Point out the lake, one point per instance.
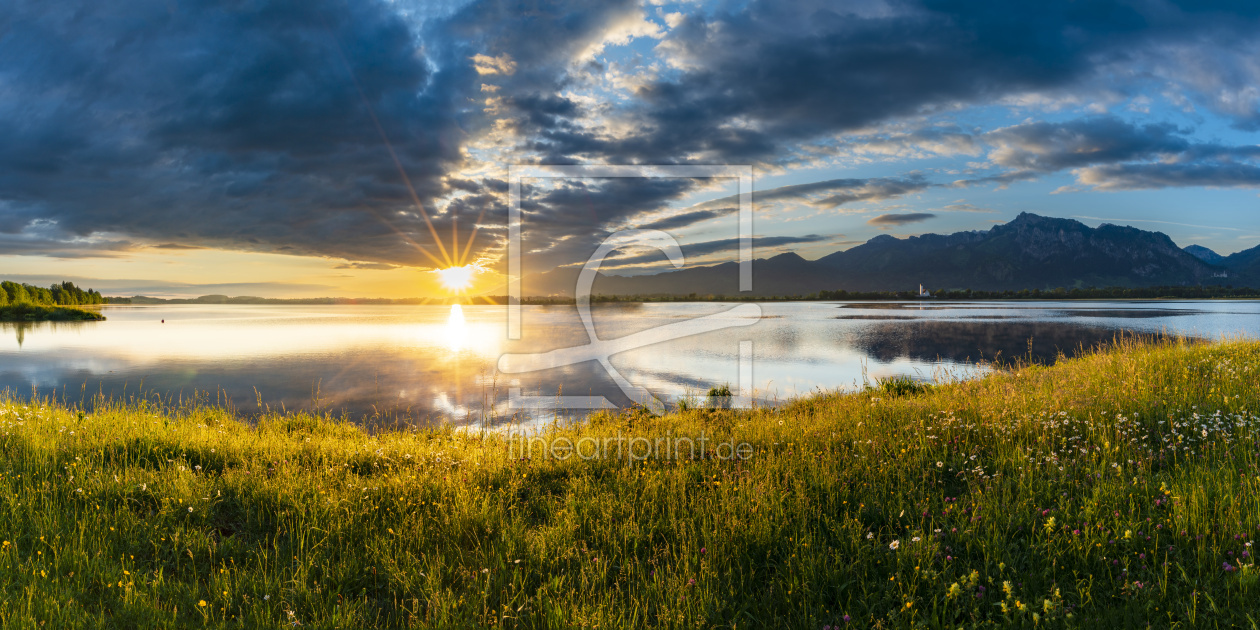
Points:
(417, 364)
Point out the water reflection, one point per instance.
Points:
(972, 341)
(456, 328)
(437, 363)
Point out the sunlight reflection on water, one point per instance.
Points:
(422, 363)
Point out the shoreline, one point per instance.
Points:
(32, 313)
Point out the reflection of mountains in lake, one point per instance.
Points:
(969, 341)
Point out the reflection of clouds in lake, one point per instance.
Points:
(428, 363)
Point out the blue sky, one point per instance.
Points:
(326, 147)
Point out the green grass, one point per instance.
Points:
(1114, 490)
(25, 312)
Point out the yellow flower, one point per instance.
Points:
(202, 603)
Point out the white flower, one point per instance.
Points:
(190, 509)
(894, 545)
(939, 464)
(915, 539)
(266, 597)
(869, 535)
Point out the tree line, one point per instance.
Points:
(62, 294)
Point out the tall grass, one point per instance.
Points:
(1118, 489)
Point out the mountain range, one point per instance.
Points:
(1029, 252)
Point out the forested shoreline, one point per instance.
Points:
(59, 302)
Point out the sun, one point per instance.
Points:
(456, 279)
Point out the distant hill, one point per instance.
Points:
(1245, 266)
(1029, 252)
(1206, 255)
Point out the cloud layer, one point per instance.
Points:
(358, 130)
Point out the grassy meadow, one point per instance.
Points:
(1114, 490)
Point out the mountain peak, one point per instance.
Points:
(1028, 219)
(787, 257)
(1204, 254)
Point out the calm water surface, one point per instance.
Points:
(430, 363)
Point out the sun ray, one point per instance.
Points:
(398, 164)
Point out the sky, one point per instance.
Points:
(349, 148)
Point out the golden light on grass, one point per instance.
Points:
(456, 279)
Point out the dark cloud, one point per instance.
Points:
(1110, 154)
(238, 125)
(689, 218)
(366, 265)
(892, 220)
(1047, 147)
(830, 193)
(176, 246)
(44, 238)
(1169, 175)
(707, 248)
(871, 190)
(258, 126)
(791, 71)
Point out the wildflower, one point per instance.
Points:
(202, 603)
(939, 464)
(869, 535)
(915, 539)
(894, 545)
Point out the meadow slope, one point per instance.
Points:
(1115, 490)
